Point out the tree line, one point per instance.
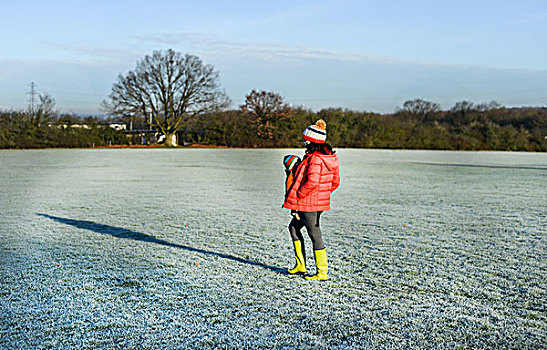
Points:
(474, 128)
(20, 130)
(180, 97)
(464, 127)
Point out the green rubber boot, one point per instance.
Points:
(321, 264)
(300, 267)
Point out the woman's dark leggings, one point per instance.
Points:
(311, 221)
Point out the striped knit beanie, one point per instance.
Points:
(316, 133)
(291, 161)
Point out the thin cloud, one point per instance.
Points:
(46, 62)
(267, 50)
(216, 46)
(97, 52)
(209, 45)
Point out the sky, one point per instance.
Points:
(363, 55)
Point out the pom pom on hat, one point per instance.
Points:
(316, 133)
(320, 124)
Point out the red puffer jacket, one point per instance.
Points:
(316, 177)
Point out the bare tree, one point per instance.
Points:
(462, 112)
(265, 108)
(44, 111)
(420, 107)
(488, 106)
(463, 107)
(167, 90)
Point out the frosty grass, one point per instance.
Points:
(164, 249)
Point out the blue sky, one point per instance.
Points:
(361, 55)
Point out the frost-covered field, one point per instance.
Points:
(187, 248)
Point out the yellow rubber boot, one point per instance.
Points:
(300, 267)
(321, 264)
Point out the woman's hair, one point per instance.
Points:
(323, 148)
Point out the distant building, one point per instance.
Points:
(118, 126)
(65, 125)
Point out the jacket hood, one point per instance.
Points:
(330, 160)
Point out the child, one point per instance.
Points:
(291, 163)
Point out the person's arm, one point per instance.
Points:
(312, 178)
(336, 179)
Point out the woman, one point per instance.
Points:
(316, 177)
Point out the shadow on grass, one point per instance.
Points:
(120, 232)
